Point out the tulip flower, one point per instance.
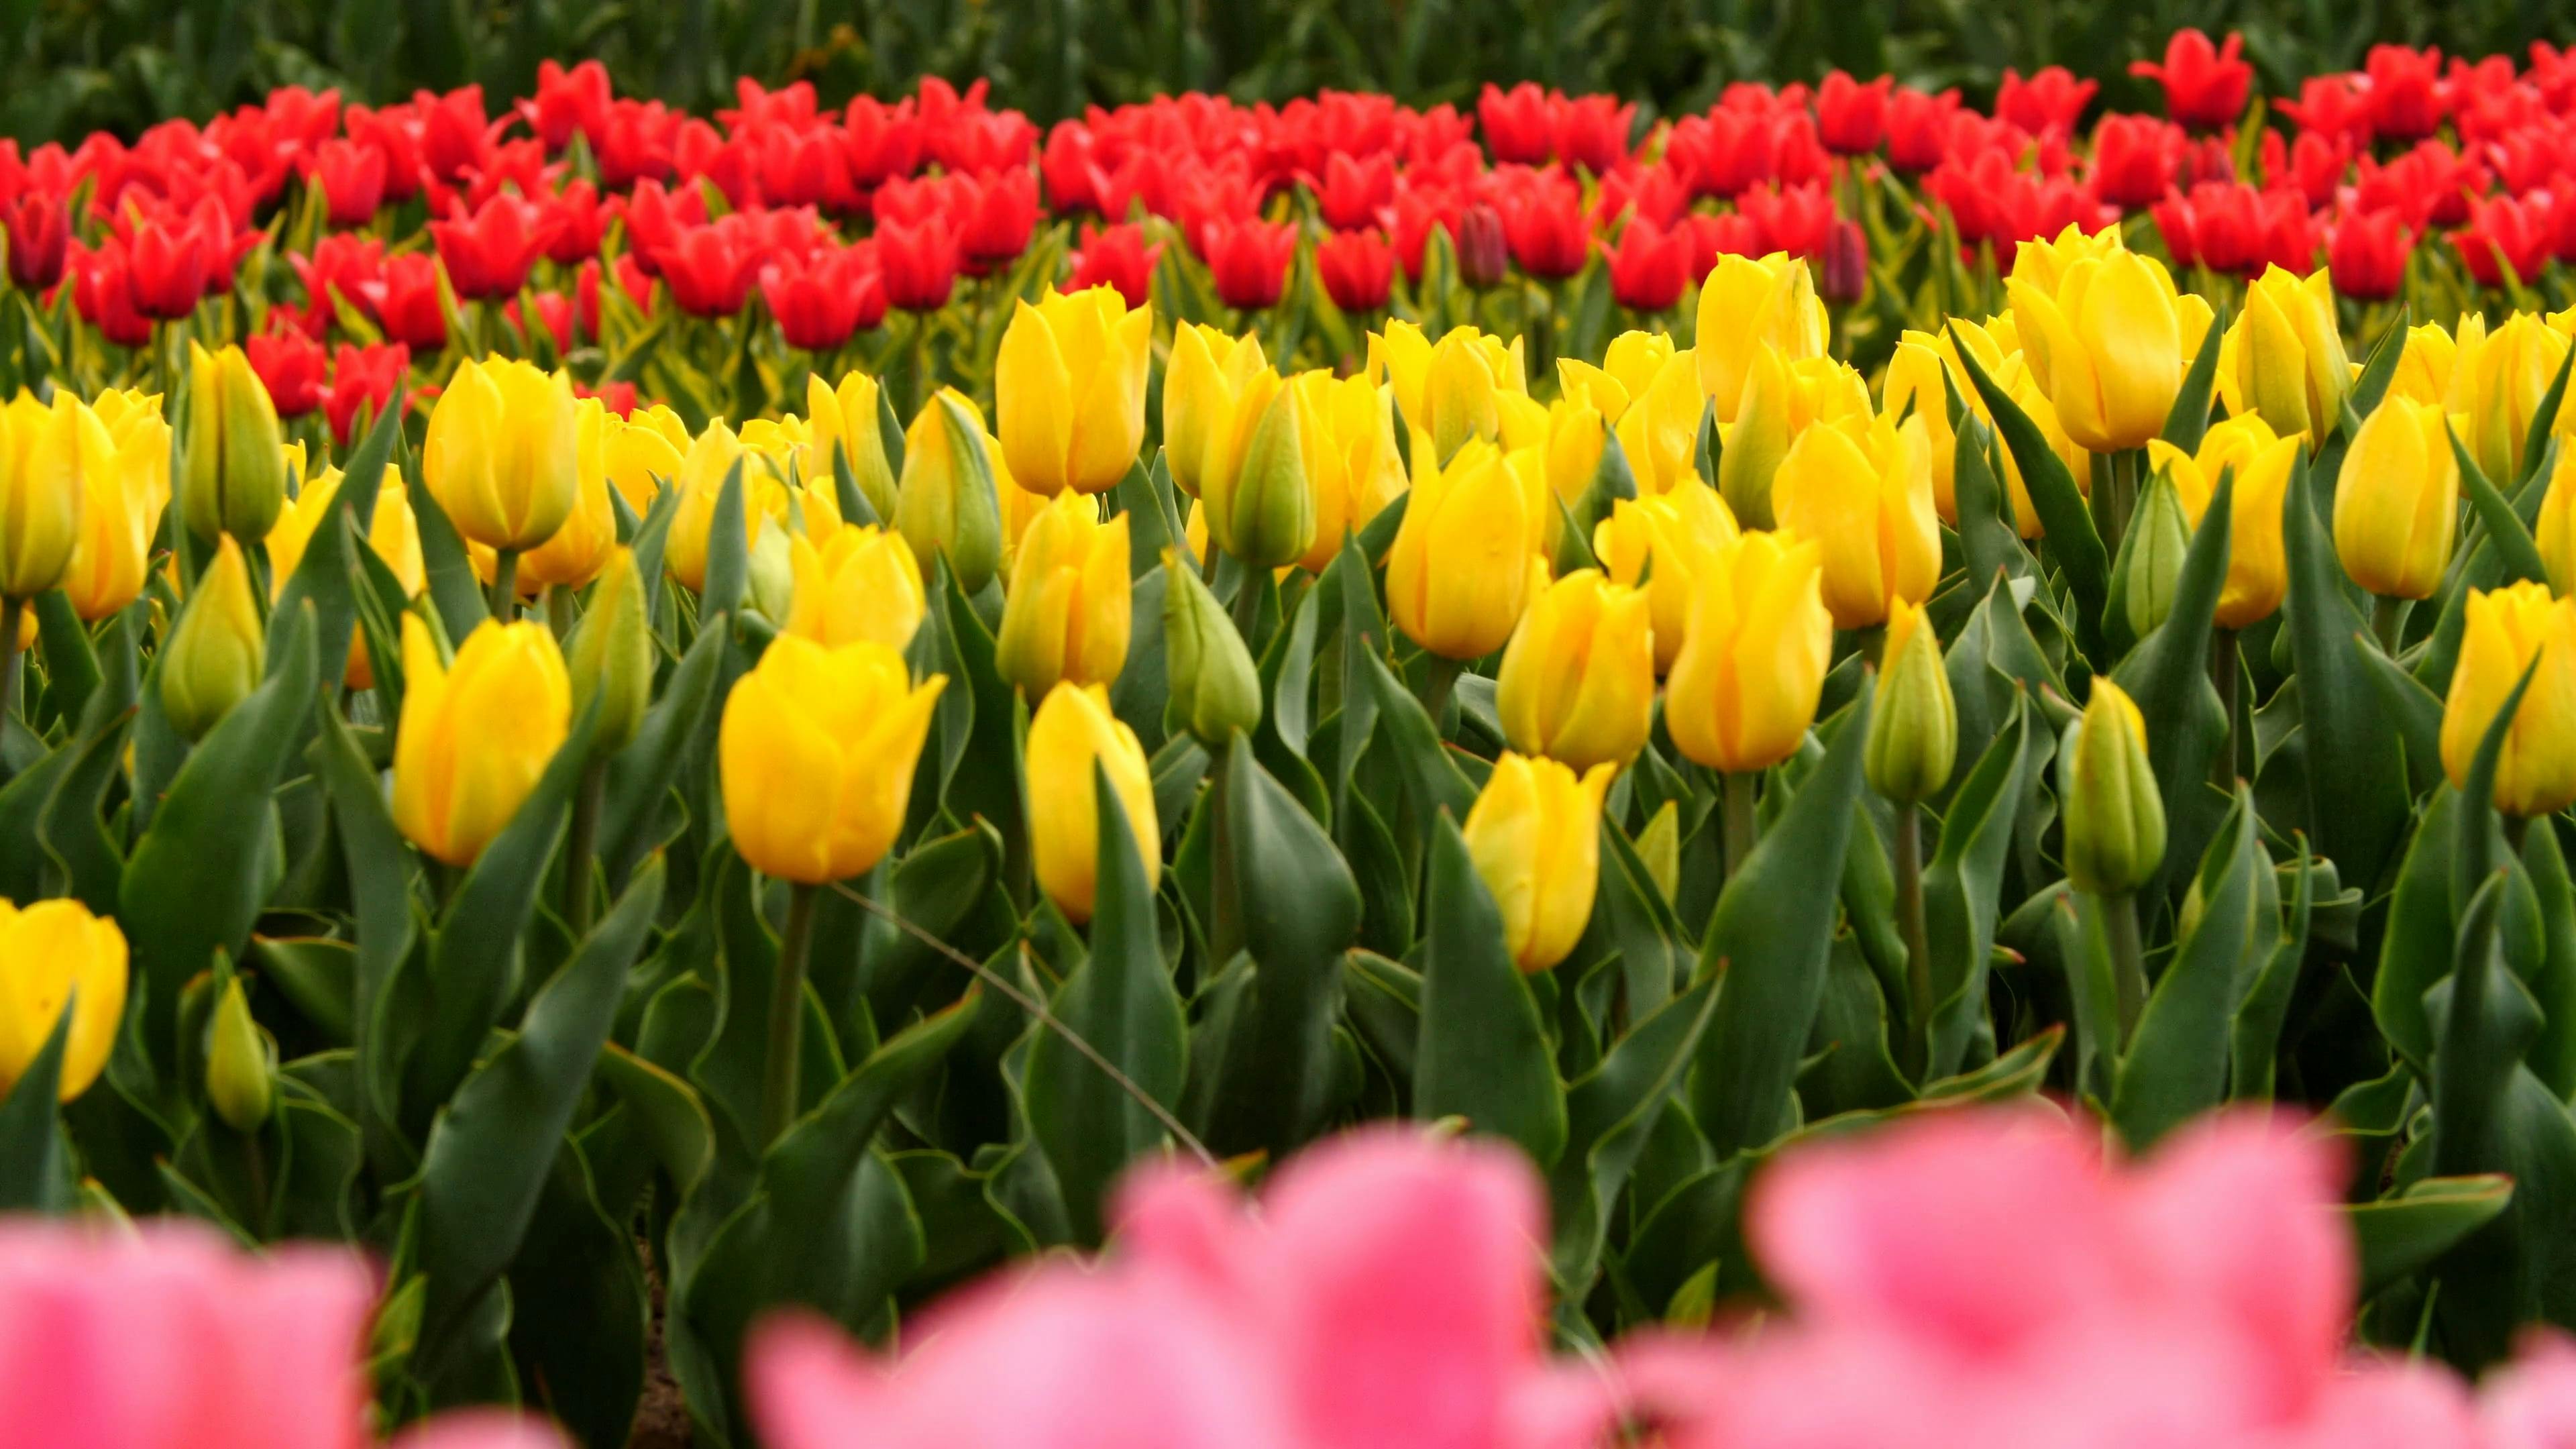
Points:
(40, 493)
(1576, 439)
(1659, 429)
(577, 551)
(1483, 257)
(1466, 385)
(475, 733)
(1248, 260)
(1518, 123)
(1649, 267)
(38, 236)
(1065, 616)
(393, 534)
(822, 301)
(1851, 118)
(2286, 357)
(1914, 726)
(2555, 530)
(489, 251)
(2508, 629)
(860, 583)
(2397, 501)
(124, 477)
(845, 420)
(1867, 502)
(948, 500)
(1535, 836)
(2107, 346)
(102, 291)
(2204, 85)
(2257, 570)
(1118, 256)
(1346, 428)
(217, 653)
(1208, 371)
(1631, 364)
(1670, 540)
(1578, 678)
(1543, 222)
(1745, 306)
(816, 752)
(235, 481)
(289, 365)
(1752, 665)
(918, 262)
(1257, 502)
(1215, 690)
(1073, 732)
(2366, 254)
(1783, 400)
(504, 454)
(1357, 268)
(2115, 817)
(1461, 569)
(55, 955)
(2496, 381)
(1069, 388)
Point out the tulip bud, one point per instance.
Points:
(2507, 629)
(816, 753)
(503, 457)
(1072, 731)
(1215, 689)
(54, 954)
(1745, 686)
(1843, 273)
(236, 478)
(771, 579)
(1207, 371)
(947, 503)
(1578, 678)
(612, 656)
(1069, 390)
(2115, 818)
(1535, 836)
(475, 732)
(241, 1063)
(1461, 569)
(2397, 500)
(1253, 484)
(219, 650)
(1914, 728)
(861, 583)
(1483, 255)
(1067, 613)
(2151, 553)
(845, 421)
(2260, 460)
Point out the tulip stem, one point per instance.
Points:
(1735, 798)
(1247, 610)
(786, 1017)
(1437, 682)
(580, 846)
(2223, 672)
(2388, 621)
(505, 584)
(11, 612)
(1918, 949)
(2128, 960)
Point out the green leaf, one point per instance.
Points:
(2544, 424)
(453, 587)
(379, 874)
(2401, 1235)
(1610, 1112)
(675, 1121)
(1121, 1002)
(71, 665)
(2190, 416)
(728, 573)
(640, 775)
(35, 1167)
(1432, 780)
(1963, 885)
(2176, 1064)
(2072, 539)
(1768, 942)
(1988, 542)
(2358, 809)
(2512, 541)
(1483, 1052)
(2168, 676)
(935, 887)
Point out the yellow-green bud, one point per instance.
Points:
(1215, 690)
(2115, 819)
(236, 461)
(2150, 564)
(216, 655)
(1914, 730)
(612, 656)
(241, 1063)
(947, 503)
(1262, 510)
(773, 574)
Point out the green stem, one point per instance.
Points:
(558, 606)
(505, 585)
(1247, 609)
(921, 388)
(2123, 483)
(2128, 960)
(2224, 672)
(2388, 621)
(786, 1018)
(1918, 947)
(579, 847)
(1735, 798)
(1437, 684)
(12, 611)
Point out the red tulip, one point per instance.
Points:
(918, 262)
(805, 166)
(1852, 117)
(1419, 211)
(1650, 267)
(1482, 255)
(2366, 254)
(363, 377)
(1794, 220)
(616, 397)
(341, 263)
(820, 301)
(2331, 106)
(1918, 127)
(639, 142)
(38, 234)
(709, 269)
(103, 292)
(489, 252)
(1797, 155)
(168, 259)
(2133, 160)
(2406, 95)
(519, 166)
(1707, 237)
(881, 142)
(455, 134)
(1654, 192)
(555, 312)
(289, 365)
(635, 282)
(2205, 85)
(1723, 153)
(352, 178)
(1519, 125)
(393, 133)
(1249, 260)
(1543, 222)
(2314, 165)
(2505, 231)
(568, 103)
(2052, 100)
(994, 215)
(1068, 164)
(1357, 269)
(580, 220)
(1116, 256)
(1352, 193)
(1592, 132)
(300, 117)
(404, 299)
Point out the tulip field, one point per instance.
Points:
(1839, 770)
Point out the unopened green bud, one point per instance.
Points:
(1215, 690)
(773, 574)
(1261, 509)
(2115, 818)
(612, 655)
(241, 1063)
(1914, 730)
(236, 460)
(947, 503)
(2151, 555)
(216, 655)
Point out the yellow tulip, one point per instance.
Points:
(1659, 432)
(1253, 486)
(1069, 390)
(2115, 817)
(119, 512)
(1747, 307)
(2257, 568)
(779, 448)
(847, 419)
(1628, 367)
(1208, 369)
(1066, 615)
(2106, 346)
(40, 493)
(1782, 399)
(218, 651)
(580, 548)
(703, 469)
(1072, 732)
(1867, 502)
(2044, 263)
(1914, 729)
(1460, 570)
(2017, 382)
(1535, 836)
(2497, 381)
(2426, 362)
(1467, 385)
(236, 478)
(1915, 380)
(1752, 666)
(503, 456)
(861, 583)
(641, 453)
(393, 534)
(949, 500)
(1353, 465)
(2397, 501)
(1578, 678)
(2508, 628)
(816, 753)
(55, 955)
(475, 732)
(2556, 532)
(142, 435)
(2287, 355)
(1676, 535)
(1576, 439)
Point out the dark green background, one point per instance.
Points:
(75, 65)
